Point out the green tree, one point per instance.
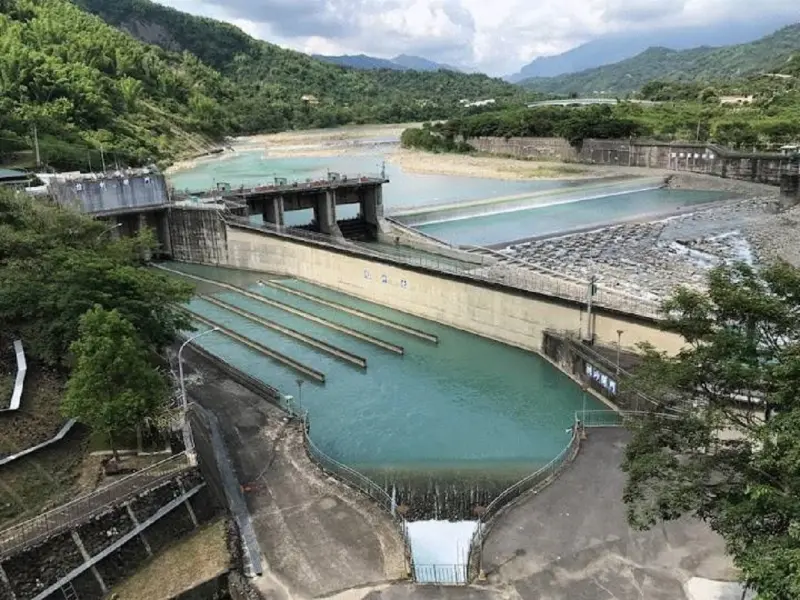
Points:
(56, 264)
(113, 387)
(725, 445)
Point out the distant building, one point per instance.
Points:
(309, 99)
(790, 149)
(467, 103)
(736, 99)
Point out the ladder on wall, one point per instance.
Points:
(69, 591)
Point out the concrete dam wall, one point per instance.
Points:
(493, 311)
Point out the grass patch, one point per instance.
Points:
(185, 564)
(39, 417)
(6, 388)
(42, 480)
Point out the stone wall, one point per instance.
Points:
(526, 147)
(34, 569)
(680, 156)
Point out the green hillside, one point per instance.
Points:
(84, 85)
(93, 92)
(276, 78)
(771, 53)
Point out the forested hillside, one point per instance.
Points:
(87, 87)
(703, 64)
(276, 78)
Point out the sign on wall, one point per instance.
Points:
(604, 380)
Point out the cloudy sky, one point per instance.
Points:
(494, 36)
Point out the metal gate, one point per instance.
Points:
(440, 574)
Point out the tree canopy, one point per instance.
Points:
(95, 92)
(56, 264)
(114, 387)
(725, 444)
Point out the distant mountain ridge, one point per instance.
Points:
(658, 63)
(402, 62)
(611, 49)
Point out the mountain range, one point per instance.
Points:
(701, 64)
(402, 62)
(611, 49)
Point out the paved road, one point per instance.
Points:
(317, 535)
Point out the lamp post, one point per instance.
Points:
(187, 434)
(107, 229)
(300, 383)
(619, 344)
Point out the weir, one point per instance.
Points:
(290, 309)
(329, 349)
(353, 311)
(273, 354)
(438, 213)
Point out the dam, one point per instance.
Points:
(418, 361)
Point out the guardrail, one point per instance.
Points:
(56, 438)
(487, 269)
(355, 480)
(78, 510)
(19, 381)
(535, 480)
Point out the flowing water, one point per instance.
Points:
(407, 190)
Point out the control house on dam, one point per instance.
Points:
(426, 375)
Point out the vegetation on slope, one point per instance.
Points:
(57, 267)
(272, 80)
(769, 54)
(730, 462)
(93, 92)
(688, 111)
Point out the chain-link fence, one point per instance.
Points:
(68, 515)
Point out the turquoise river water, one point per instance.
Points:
(466, 403)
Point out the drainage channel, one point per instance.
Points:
(424, 335)
(330, 349)
(273, 354)
(294, 311)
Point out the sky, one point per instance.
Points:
(493, 36)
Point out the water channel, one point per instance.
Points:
(468, 411)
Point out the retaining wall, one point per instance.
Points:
(494, 311)
(527, 147)
(31, 570)
(681, 156)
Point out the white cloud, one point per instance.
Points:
(496, 36)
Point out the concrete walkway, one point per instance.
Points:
(572, 540)
(317, 535)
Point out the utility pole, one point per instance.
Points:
(36, 145)
(592, 289)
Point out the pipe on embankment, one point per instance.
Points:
(294, 311)
(330, 349)
(273, 354)
(424, 335)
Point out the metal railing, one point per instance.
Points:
(488, 269)
(76, 511)
(356, 480)
(441, 574)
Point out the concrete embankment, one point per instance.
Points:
(384, 345)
